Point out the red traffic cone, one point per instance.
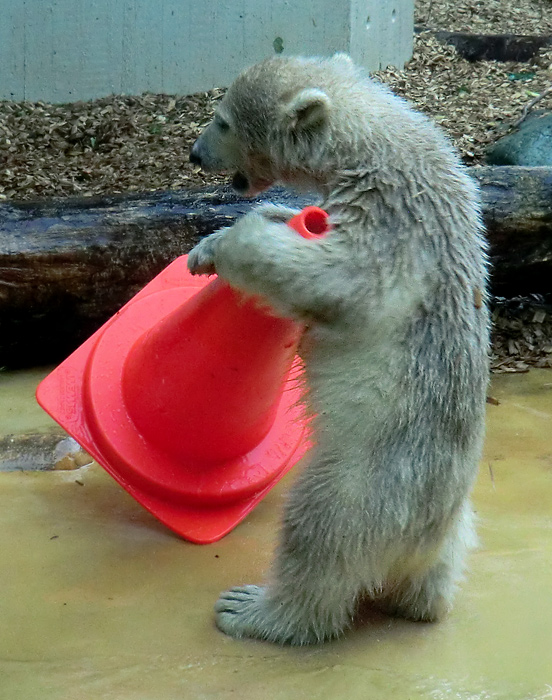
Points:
(187, 398)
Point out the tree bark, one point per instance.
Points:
(67, 265)
(517, 209)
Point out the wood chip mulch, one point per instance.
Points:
(522, 334)
(125, 144)
(111, 145)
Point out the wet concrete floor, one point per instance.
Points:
(100, 602)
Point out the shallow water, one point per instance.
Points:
(99, 601)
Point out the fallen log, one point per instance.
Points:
(517, 208)
(67, 265)
(492, 47)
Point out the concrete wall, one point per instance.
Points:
(67, 50)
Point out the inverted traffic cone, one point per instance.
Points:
(185, 397)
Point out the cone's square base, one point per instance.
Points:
(200, 500)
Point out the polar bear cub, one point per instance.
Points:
(395, 351)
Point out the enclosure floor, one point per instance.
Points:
(100, 602)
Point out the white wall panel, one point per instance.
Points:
(67, 50)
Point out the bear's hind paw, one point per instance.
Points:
(238, 611)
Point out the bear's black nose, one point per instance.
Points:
(240, 182)
(195, 158)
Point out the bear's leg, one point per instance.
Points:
(312, 593)
(315, 609)
(267, 613)
(425, 598)
(428, 596)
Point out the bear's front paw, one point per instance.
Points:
(201, 259)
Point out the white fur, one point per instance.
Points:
(395, 351)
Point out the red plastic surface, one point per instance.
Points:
(311, 222)
(188, 398)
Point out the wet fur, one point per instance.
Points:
(395, 352)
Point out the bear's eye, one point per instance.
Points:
(222, 124)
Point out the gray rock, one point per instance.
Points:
(530, 145)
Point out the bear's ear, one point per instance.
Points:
(342, 59)
(307, 110)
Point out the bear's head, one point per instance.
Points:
(275, 123)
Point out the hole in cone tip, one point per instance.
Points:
(316, 222)
(311, 222)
